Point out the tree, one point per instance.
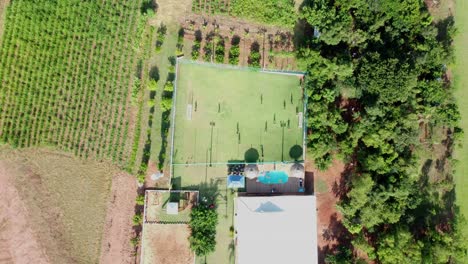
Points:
(375, 74)
(203, 224)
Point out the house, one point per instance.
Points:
(276, 229)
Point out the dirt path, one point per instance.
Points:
(18, 242)
(3, 6)
(118, 231)
(326, 187)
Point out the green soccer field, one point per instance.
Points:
(227, 115)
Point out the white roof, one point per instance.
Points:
(172, 208)
(276, 229)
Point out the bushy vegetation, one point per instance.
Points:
(376, 78)
(219, 49)
(196, 50)
(234, 52)
(203, 222)
(162, 30)
(255, 57)
(66, 71)
(166, 106)
(275, 12)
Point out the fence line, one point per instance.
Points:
(237, 163)
(243, 68)
(174, 101)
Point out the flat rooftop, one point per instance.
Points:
(276, 229)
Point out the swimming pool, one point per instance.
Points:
(273, 177)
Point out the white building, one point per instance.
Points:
(276, 230)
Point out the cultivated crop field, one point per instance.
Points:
(67, 75)
(230, 114)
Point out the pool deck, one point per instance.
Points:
(292, 186)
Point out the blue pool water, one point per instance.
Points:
(273, 177)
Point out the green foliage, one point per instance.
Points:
(137, 219)
(234, 53)
(162, 30)
(66, 68)
(376, 75)
(134, 241)
(398, 246)
(343, 255)
(140, 200)
(152, 85)
(203, 224)
(166, 104)
(275, 12)
(219, 51)
(195, 50)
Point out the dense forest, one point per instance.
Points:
(380, 99)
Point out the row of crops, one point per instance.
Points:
(215, 50)
(66, 75)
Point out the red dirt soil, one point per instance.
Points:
(18, 243)
(329, 228)
(167, 244)
(118, 230)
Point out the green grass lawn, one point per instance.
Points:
(461, 85)
(182, 217)
(211, 181)
(236, 115)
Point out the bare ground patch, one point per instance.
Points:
(116, 247)
(65, 199)
(328, 187)
(18, 242)
(166, 243)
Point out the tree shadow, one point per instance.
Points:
(154, 73)
(198, 36)
(295, 152)
(445, 29)
(148, 5)
(334, 232)
(176, 183)
(170, 76)
(235, 40)
(209, 192)
(251, 155)
(309, 182)
(341, 188)
(172, 60)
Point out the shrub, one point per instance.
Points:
(195, 50)
(137, 219)
(219, 51)
(203, 225)
(140, 200)
(234, 55)
(134, 241)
